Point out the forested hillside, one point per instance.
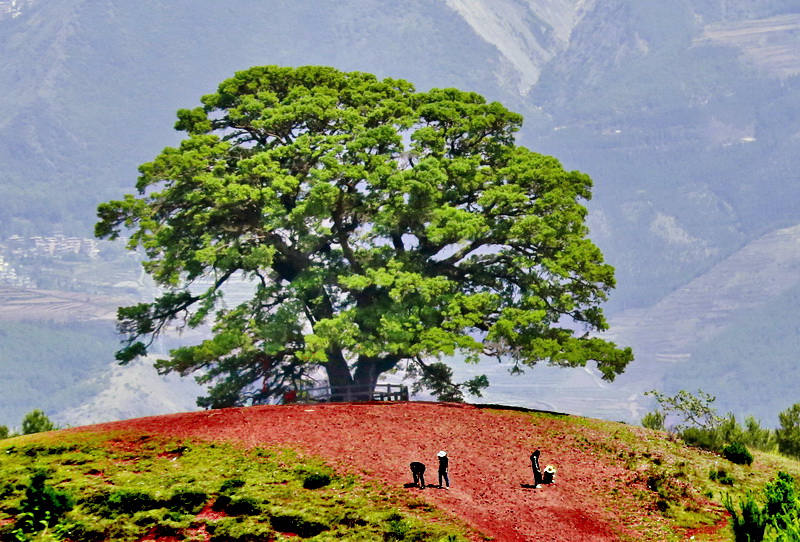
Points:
(686, 115)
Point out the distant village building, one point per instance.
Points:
(12, 8)
(55, 246)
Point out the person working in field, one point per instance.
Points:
(418, 471)
(443, 469)
(537, 471)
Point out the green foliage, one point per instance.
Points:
(43, 506)
(129, 502)
(720, 475)
(738, 453)
(233, 530)
(378, 225)
(654, 420)
(36, 421)
(702, 427)
(749, 521)
(298, 523)
(788, 435)
(238, 505)
(726, 431)
(100, 488)
(187, 500)
(694, 410)
(316, 480)
(778, 520)
(230, 485)
(4, 433)
(782, 506)
(757, 437)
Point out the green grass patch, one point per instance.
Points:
(92, 487)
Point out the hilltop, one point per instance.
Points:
(614, 481)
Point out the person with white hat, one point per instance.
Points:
(443, 469)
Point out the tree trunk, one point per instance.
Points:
(368, 370)
(339, 378)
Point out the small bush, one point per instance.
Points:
(706, 439)
(788, 436)
(737, 453)
(43, 505)
(316, 480)
(36, 421)
(240, 506)
(298, 524)
(749, 523)
(351, 519)
(187, 500)
(85, 532)
(757, 437)
(397, 529)
(654, 420)
(230, 485)
(125, 501)
(782, 505)
(234, 530)
(721, 476)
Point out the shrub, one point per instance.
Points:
(756, 437)
(35, 421)
(187, 500)
(695, 410)
(239, 506)
(298, 524)
(749, 523)
(776, 521)
(782, 506)
(233, 530)
(125, 501)
(706, 439)
(715, 437)
(43, 505)
(397, 529)
(654, 420)
(230, 485)
(788, 435)
(721, 476)
(316, 480)
(737, 453)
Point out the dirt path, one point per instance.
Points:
(490, 471)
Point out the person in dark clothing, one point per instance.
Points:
(443, 469)
(537, 471)
(418, 471)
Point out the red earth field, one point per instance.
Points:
(491, 481)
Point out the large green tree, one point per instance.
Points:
(381, 228)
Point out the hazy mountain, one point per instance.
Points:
(686, 114)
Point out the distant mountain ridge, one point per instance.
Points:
(527, 34)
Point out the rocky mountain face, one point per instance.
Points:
(527, 34)
(685, 114)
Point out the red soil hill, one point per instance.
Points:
(490, 474)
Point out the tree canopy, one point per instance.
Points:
(381, 228)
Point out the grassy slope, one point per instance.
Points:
(128, 485)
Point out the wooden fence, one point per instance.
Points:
(324, 394)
